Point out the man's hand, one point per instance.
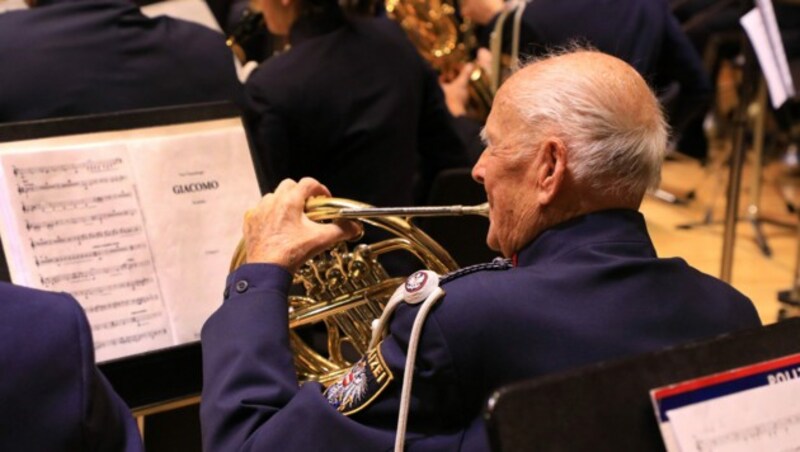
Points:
(481, 11)
(277, 231)
(456, 92)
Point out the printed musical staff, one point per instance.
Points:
(91, 273)
(79, 203)
(85, 184)
(130, 285)
(94, 166)
(99, 218)
(137, 320)
(773, 428)
(80, 238)
(130, 338)
(138, 301)
(46, 260)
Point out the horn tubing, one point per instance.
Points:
(426, 211)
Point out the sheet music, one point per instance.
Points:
(139, 226)
(762, 30)
(765, 418)
(207, 178)
(81, 231)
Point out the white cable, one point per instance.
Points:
(378, 325)
(408, 375)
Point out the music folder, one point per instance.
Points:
(136, 215)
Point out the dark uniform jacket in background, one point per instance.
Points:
(53, 398)
(353, 105)
(641, 32)
(591, 289)
(77, 57)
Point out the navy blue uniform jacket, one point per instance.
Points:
(588, 290)
(353, 105)
(643, 33)
(77, 57)
(53, 398)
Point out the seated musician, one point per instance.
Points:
(350, 103)
(642, 32)
(80, 57)
(53, 397)
(572, 143)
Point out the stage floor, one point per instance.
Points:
(756, 275)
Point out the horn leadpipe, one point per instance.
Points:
(424, 211)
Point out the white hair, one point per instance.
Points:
(615, 136)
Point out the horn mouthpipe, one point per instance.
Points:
(424, 211)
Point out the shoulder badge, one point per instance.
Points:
(362, 384)
(498, 263)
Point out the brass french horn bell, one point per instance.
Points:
(344, 290)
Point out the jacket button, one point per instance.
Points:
(241, 285)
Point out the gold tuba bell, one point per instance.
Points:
(341, 291)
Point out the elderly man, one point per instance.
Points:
(573, 142)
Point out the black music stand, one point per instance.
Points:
(606, 407)
(153, 384)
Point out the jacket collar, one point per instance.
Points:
(619, 225)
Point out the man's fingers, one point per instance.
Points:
(309, 187)
(285, 186)
(466, 71)
(330, 233)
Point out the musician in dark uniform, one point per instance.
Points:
(351, 103)
(53, 397)
(572, 143)
(77, 57)
(642, 32)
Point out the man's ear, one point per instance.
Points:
(552, 169)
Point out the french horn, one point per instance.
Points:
(342, 290)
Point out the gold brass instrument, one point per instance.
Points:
(345, 290)
(445, 42)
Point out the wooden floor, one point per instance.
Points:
(756, 275)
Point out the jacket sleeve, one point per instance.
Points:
(251, 399)
(107, 422)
